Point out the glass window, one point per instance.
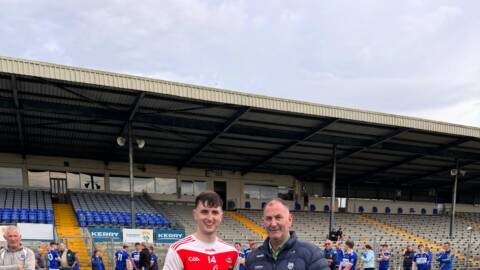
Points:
(39, 179)
(187, 188)
(73, 181)
(252, 191)
(285, 193)
(119, 183)
(268, 192)
(92, 182)
(144, 185)
(166, 185)
(199, 187)
(11, 176)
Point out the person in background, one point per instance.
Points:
(349, 261)
(430, 257)
(53, 260)
(368, 258)
(384, 258)
(330, 254)
(121, 258)
(40, 257)
(339, 250)
(67, 257)
(420, 262)
(144, 257)
(135, 256)
(241, 256)
(408, 257)
(446, 257)
(76, 265)
(97, 261)
(153, 259)
(252, 245)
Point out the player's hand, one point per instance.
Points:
(20, 266)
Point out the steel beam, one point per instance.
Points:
(18, 116)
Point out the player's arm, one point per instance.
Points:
(173, 261)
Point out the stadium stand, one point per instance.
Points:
(32, 206)
(96, 209)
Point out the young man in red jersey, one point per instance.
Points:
(203, 250)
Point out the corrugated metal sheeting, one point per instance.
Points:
(100, 78)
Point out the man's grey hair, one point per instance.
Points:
(10, 228)
(278, 200)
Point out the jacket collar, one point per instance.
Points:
(288, 245)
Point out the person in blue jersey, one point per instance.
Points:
(339, 250)
(121, 257)
(384, 258)
(445, 258)
(97, 261)
(153, 259)
(368, 258)
(76, 265)
(349, 261)
(430, 257)
(420, 261)
(330, 254)
(53, 260)
(135, 257)
(241, 255)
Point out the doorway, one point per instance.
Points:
(220, 188)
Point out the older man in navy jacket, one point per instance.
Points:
(282, 250)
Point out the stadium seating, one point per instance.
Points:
(104, 209)
(26, 206)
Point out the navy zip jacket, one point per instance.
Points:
(295, 254)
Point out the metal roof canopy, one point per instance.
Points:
(48, 109)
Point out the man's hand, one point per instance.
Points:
(20, 266)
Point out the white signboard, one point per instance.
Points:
(35, 231)
(137, 235)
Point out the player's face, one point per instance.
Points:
(328, 244)
(446, 248)
(238, 247)
(277, 221)
(208, 218)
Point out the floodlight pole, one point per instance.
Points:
(130, 161)
(454, 200)
(332, 197)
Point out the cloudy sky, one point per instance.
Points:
(418, 58)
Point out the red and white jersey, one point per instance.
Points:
(190, 253)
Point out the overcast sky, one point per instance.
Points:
(418, 58)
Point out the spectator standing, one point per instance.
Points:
(446, 257)
(67, 257)
(97, 261)
(53, 260)
(421, 259)
(153, 259)
(368, 258)
(144, 258)
(121, 258)
(330, 254)
(408, 257)
(15, 255)
(349, 260)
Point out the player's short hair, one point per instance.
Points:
(447, 243)
(125, 246)
(367, 246)
(420, 245)
(384, 245)
(237, 243)
(209, 199)
(137, 244)
(349, 243)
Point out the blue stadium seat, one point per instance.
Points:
(423, 211)
(298, 206)
(435, 211)
(412, 210)
(326, 208)
(361, 209)
(374, 209)
(248, 205)
(400, 210)
(387, 210)
(313, 208)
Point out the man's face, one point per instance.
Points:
(277, 221)
(446, 247)
(328, 244)
(421, 248)
(208, 218)
(252, 245)
(13, 238)
(238, 247)
(138, 247)
(61, 247)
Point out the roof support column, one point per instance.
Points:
(332, 197)
(454, 200)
